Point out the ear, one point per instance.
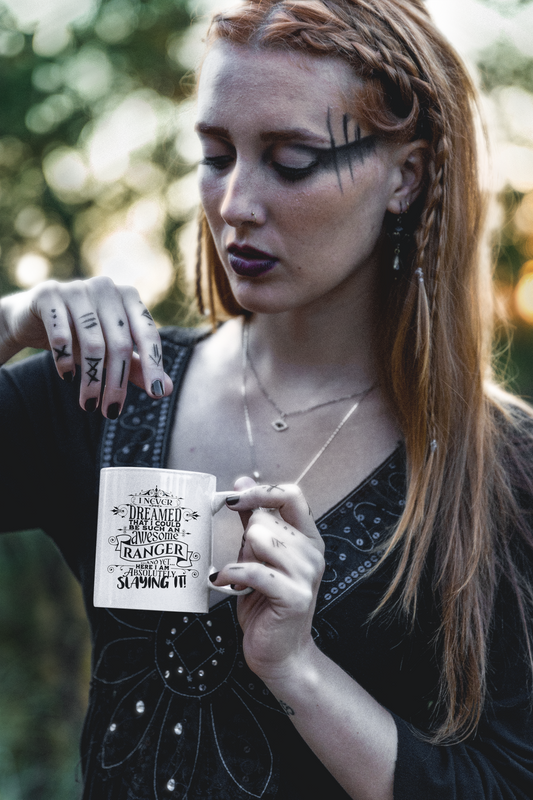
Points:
(411, 169)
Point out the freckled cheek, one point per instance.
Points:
(310, 213)
(211, 197)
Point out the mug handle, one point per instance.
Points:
(217, 502)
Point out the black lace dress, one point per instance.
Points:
(174, 711)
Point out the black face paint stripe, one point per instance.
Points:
(333, 149)
(335, 158)
(345, 119)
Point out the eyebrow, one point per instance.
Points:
(282, 135)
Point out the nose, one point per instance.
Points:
(241, 203)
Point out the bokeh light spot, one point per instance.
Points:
(523, 295)
(11, 43)
(31, 269)
(30, 221)
(65, 171)
(54, 240)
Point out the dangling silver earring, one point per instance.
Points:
(397, 236)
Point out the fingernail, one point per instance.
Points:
(91, 404)
(233, 499)
(213, 577)
(68, 377)
(157, 389)
(113, 411)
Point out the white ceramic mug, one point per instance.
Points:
(155, 539)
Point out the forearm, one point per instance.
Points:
(349, 731)
(12, 307)
(7, 347)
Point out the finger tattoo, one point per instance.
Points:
(122, 374)
(62, 353)
(278, 543)
(89, 320)
(156, 357)
(275, 486)
(54, 316)
(120, 323)
(92, 372)
(147, 314)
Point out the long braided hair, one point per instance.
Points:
(436, 324)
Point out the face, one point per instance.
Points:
(295, 192)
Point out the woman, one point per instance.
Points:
(385, 650)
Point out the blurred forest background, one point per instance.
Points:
(97, 177)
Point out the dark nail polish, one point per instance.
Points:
(68, 377)
(233, 499)
(113, 411)
(157, 389)
(91, 404)
(213, 577)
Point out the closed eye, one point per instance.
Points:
(294, 174)
(217, 162)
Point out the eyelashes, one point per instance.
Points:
(291, 174)
(328, 159)
(218, 163)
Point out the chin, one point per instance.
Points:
(261, 300)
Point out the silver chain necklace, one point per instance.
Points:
(255, 471)
(280, 424)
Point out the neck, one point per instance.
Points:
(329, 343)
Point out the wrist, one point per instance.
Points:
(295, 680)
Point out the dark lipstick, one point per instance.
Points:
(249, 262)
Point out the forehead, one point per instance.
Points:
(273, 85)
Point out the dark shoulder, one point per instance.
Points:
(184, 337)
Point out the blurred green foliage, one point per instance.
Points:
(53, 106)
(53, 103)
(54, 202)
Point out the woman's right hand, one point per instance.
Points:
(94, 324)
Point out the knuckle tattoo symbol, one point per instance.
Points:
(89, 320)
(156, 356)
(62, 353)
(92, 372)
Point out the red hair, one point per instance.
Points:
(436, 321)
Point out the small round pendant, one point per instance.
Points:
(255, 475)
(280, 424)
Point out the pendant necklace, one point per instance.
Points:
(279, 424)
(255, 471)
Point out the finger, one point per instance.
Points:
(118, 343)
(51, 309)
(137, 377)
(91, 342)
(296, 595)
(146, 337)
(287, 498)
(274, 542)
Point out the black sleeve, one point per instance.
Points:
(496, 763)
(48, 449)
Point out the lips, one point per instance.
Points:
(249, 262)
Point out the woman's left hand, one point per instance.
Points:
(282, 559)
